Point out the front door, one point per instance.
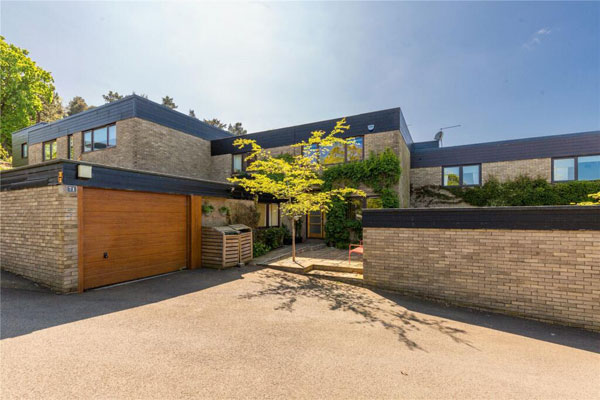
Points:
(315, 224)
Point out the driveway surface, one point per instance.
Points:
(261, 333)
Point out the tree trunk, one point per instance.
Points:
(293, 240)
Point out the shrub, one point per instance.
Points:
(260, 249)
(271, 237)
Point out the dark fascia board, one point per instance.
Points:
(524, 218)
(582, 143)
(127, 107)
(384, 121)
(110, 178)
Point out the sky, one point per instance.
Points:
(502, 70)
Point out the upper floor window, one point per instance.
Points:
(337, 153)
(70, 147)
(49, 150)
(239, 164)
(268, 214)
(582, 168)
(24, 150)
(462, 175)
(100, 138)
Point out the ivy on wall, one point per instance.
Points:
(380, 172)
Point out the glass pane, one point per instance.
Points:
(588, 168)
(24, 150)
(355, 149)
(315, 217)
(451, 176)
(471, 175)
(564, 169)
(54, 149)
(333, 154)
(71, 147)
(47, 151)
(262, 210)
(237, 163)
(374, 202)
(87, 141)
(315, 228)
(274, 214)
(112, 135)
(311, 152)
(100, 138)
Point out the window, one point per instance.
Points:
(337, 153)
(49, 150)
(100, 138)
(238, 163)
(269, 214)
(462, 175)
(70, 147)
(24, 150)
(582, 168)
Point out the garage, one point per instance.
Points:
(127, 235)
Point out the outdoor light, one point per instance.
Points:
(84, 172)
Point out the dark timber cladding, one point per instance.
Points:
(109, 178)
(127, 107)
(573, 144)
(526, 218)
(382, 121)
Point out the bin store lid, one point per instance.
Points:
(226, 230)
(241, 227)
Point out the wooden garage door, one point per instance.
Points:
(129, 235)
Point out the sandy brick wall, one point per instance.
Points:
(549, 275)
(38, 235)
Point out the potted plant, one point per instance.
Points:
(207, 209)
(224, 211)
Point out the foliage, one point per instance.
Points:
(207, 209)
(216, 123)
(380, 172)
(77, 105)
(224, 211)
(192, 113)
(24, 88)
(272, 237)
(168, 102)
(111, 96)
(526, 191)
(141, 94)
(5, 159)
(260, 249)
(237, 129)
(52, 110)
(594, 202)
(245, 214)
(298, 183)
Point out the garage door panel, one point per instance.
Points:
(143, 233)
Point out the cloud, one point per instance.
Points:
(536, 38)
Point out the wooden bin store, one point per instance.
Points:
(226, 246)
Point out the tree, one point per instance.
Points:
(52, 111)
(77, 105)
(237, 129)
(112, 96)
(191, 113)
(24, 88)
(295, 180)
(141, 94)
(168, 101)
(216, 123)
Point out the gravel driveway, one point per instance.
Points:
(262, 333)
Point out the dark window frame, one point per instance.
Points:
(44, 150)
(24, 150)
(83, 150)
(244, 155)
(318, 149)
(460, 174)
(268, 216)
(575, 166)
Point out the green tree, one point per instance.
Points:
(24, 88)
(77, 105)
(298, 181)
(111, 96)
(168, 101)
(52, 111)
(192, 114)
(216, 123)
(237, 129)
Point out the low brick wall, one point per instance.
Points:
(38, 235)
(546, 274)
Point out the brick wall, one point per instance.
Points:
(550, 275)
(38, 236)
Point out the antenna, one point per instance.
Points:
(438, 136)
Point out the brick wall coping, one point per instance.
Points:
(526, 218)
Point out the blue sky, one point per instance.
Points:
(502, 70)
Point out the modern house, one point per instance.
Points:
(116, 192)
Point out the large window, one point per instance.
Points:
(269, 214)
(24, 150)
(49, 150)
(337, 153)
(462, 175)
(582, 168)
(100, 138)
(239, 163)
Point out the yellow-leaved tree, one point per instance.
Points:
(297, 181)
(594, 202)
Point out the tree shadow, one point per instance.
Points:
(374, 310)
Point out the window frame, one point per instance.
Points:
(268, 216)
(362, 155)
(25, 150)
(52, 142)
(70, 147)
(460, 174)
(243, 170)
(92, 131)
(575, 167)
